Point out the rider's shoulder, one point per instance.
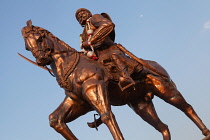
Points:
(96, 16)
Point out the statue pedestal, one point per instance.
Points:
(207, 137)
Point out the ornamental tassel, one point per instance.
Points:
(91, 54)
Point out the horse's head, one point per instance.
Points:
(37, 41)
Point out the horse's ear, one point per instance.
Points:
(29, 23)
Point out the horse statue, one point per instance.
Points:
(87, 87)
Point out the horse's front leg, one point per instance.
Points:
(96, 94)
(67, 111)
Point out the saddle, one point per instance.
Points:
(111, 69)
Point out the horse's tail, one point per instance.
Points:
(152, 65)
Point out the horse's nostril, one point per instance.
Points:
(38, 61)
(42, 61)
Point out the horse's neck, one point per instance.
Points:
(58, 46)
(62, 54)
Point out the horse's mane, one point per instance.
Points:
(59, 41)
(36, 29)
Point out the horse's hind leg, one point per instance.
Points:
(95, 93)
(169, 93)
(67, 111)
(146, 110)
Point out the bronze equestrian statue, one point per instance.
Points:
(88, 86)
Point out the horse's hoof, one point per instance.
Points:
(207, 137)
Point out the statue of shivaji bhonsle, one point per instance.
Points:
(104, 81)
(98, 43)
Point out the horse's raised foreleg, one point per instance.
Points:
(146, 110)
(96, 94)
(169, 93)
(67, 111)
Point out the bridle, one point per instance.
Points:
(50, 49)
(45, 46)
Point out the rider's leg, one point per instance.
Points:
(67, 111)
(95, 92)
(169, 93)
(146, 110)
(125, 80)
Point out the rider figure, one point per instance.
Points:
(98, 43)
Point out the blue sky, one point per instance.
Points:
(176, 34)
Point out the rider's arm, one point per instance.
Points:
(103, 28)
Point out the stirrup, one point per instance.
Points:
(125, 82)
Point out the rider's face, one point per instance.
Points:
(83, 16)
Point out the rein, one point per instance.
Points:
(60, 52)
(49, 71)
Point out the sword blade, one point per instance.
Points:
(34, 62)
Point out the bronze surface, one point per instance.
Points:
(88, 86)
